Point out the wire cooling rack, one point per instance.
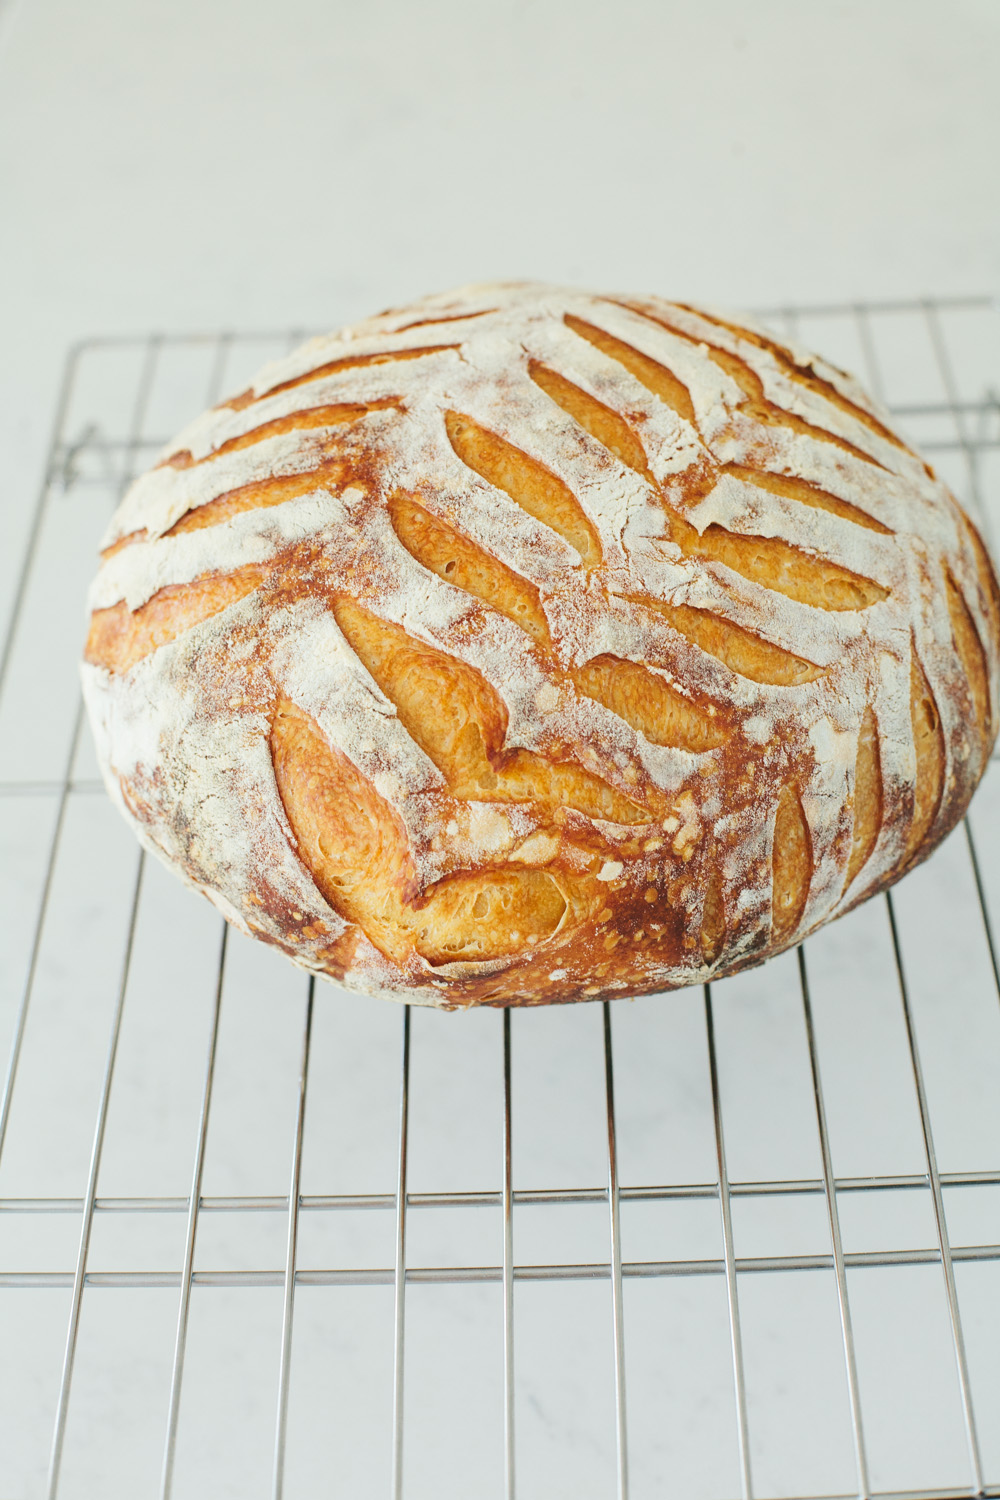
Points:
(260, 1238)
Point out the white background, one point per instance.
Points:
(206, 163)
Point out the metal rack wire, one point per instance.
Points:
(578, 1398)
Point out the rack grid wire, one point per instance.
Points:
(262, 1238)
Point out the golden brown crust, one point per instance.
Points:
(359, 856)
(455, 559)
(867, 799)
(605, 647)
(745, 653)
(928, 748)
(119, 637)
(791, 865)
(534, 487)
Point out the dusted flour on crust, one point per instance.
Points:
(526, 645)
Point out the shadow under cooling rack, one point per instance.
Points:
(262, 1238)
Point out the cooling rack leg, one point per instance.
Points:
(735, 1336)
(194, 1204)
(617, 1300)
(508, 1271)
(829, 1185)
(400, 1276)
(293, 1229)
(62, 1406)
(958, 1339)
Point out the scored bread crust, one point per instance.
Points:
(528, 645)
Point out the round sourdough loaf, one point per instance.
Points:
(528, 645)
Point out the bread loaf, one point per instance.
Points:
(528, 645)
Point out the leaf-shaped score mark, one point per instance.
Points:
(120, 637)
(647, 702)
(529, 483)
(455, 558)
(357, 852)
(740, 650)
(460, 722)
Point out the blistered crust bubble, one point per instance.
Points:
(528, 645)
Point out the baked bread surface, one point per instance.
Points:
(528, 645)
